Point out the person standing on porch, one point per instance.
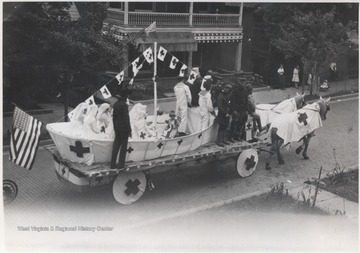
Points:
(183, 99)
(281, 74)
(121, 121)
(295, 78)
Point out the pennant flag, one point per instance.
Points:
(148, 54)
(24, 139)
(105, 92)
(182, 70)
(120, 77)
(150, 28)
(131, 82)
(192, 77)
(162, 53)
(135, 66)
(90, 100)
(174, 61)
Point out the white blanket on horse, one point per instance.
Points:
(291, 127)
(269, 112)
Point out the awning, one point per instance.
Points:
(171, 41)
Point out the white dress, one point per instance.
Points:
(295, 77)
(183, 97)
(206, 107)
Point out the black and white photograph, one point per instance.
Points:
(166, 126)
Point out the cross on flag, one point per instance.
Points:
(182, 70)
(90, 100)
(105, 92)
(162, 53)
(24, 140)
(174, 61)
(120, 77)
(192, 77)
(148, 54)
(135, 67)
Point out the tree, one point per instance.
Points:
(44, 49)
(312, 32)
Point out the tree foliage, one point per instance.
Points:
(315, 33)
(42, 44)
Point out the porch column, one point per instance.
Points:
(191, 10)
(238, 56)
(190, 61)
(126, 13)
(126, 60)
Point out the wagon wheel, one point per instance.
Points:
(246, 162)
(10, 191)
(129, 187)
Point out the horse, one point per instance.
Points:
(268, 112)
(296, 126)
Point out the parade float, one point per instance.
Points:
(83, 146)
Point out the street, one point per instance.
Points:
(45, 202)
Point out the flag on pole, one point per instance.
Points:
(192, 77)
(182, 70)
(131, 82)
(150, 28)
(120, 77)
(162, 53)
(90, 100)
(174, 61)
(24, 139)
(105, 92)
(148, 54)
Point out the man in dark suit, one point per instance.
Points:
(122, 129)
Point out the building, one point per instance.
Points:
(202, 34)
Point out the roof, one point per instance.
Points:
(172, 41)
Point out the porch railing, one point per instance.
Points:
(174, 19)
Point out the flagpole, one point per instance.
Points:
(155, 86)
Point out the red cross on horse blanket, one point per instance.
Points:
(291, 127)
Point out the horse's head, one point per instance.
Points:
(299, 100)
(324, 107)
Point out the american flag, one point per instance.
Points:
(150, 28)
(24, 139)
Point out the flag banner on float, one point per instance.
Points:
(90, 100)
(24, 139)
(105, 92)
(182, 70)
(192, 77)
(174, 61)
(148, 54)
(162, 53)
(120, 77)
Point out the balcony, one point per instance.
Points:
(163, 19)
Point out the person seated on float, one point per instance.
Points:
(104, 121)
(171, 128)
(78, 114)
(139, 127)
(252, 110)
(90, 122)
(206, 106)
